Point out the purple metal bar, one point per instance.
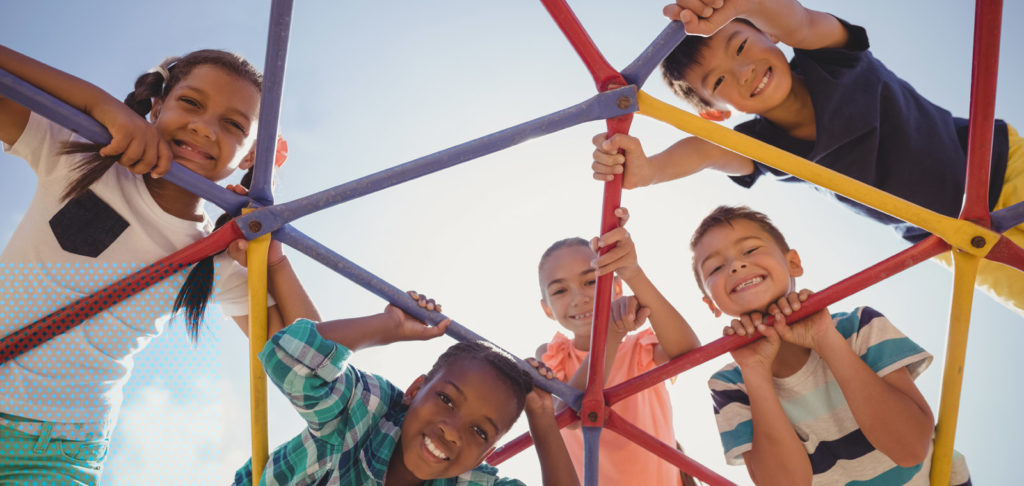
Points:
(609, 104)
(1008, 217)
(640, 69)
(71, 118)
(270, 100)
(296, 239)
(591, 446)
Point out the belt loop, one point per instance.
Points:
(45, 434)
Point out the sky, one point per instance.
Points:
(370, 85)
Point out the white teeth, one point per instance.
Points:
(433, 449)
(748, 283)
(585, 315)
(764, 81)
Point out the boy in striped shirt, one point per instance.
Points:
(829, 399)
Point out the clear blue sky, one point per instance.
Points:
(370, 85)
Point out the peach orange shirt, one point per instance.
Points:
(621, 461)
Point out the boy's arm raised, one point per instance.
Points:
(784, 20)
(683, 158)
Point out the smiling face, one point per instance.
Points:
(455, 419)
(209, 120)
(742, 269)
(567, 283)
(741, 67)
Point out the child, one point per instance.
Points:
(833, 104)
(826, 400)
(60, 401)
(567, 284)
(364, 430)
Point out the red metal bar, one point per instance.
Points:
(519, 444)
(903, 260)
(603, 73)
(74, 313)
(987, 22)
(675, 457)
(1007, 252)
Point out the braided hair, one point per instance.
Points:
(157, 84)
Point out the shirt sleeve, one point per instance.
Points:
(231, 286)
(329, 394)
(880, 344)
(485, 475)
(732, 413)
(40, 145)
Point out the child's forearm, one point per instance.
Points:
(293, 302)
(674, 334)
(359, 332)
(797, 26)
(776, 455)
(555, 464)
(890, 411)
(74, 91)
(691, 155)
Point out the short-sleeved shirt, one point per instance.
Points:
(814, 404)
(354, 418)
(874, 127)
(64, 250)
(621, 460)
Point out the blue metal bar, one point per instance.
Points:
(609, 104)
(640, 69)
(591, 449)
(270, 100)
(71, 118)
(315, 250)
(1008, 217)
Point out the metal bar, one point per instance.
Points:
(1008, 217)
(256, 256)
(603, 73)
(903, 260)
(69, 117)
(959, 233)
(74, 313)
(984, 72)
(270, 100)
(610, 104)
(641, 68)
(625, 428)
(296, 239)
(1008, 253)
(519, 444)
(591, 456)
(965, 269)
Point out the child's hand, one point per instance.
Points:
(539, 401)
(627, 315)
(408, 328)
(805, 332)
(621, 259)
(632, 163)
(759, 354)
(704, 17)
(136, 141)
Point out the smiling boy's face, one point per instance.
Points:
(742, 269)
(455, 419)
(741, 67)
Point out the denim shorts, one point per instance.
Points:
(27, 459)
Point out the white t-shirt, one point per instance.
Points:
(76, 379)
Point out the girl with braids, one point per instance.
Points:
(102, 212)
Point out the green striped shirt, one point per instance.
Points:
(354, 418)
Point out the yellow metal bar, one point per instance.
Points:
(965, 268)
(256, 257)
(958, 233)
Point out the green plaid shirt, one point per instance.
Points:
(354, 418)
